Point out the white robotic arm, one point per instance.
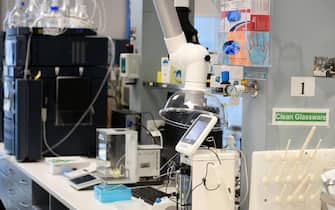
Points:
(194, 59)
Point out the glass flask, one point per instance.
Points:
(17, 17)
(185, 106)
(32, 12)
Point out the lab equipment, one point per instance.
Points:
(40, 21)
(289, 179)
(28, 112)
(85, 181)
(54, 18)
(183, 107)
(2, 54)
(112, 193)
(124, 118)
(117, 155)
(71, 73)
(16, 17)
(65, 8)
(149, 159)
(74, 173)
(59, 165)
(212, 176)
(149, 194)
(328, 191)
(186, 105)
(183, 11)
(32, 12)
(196, 135)
(324, 67)
(130, 65)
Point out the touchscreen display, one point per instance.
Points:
(83, 179)
(195, 131)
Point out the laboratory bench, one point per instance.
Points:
(31, 186)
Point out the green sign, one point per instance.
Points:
(300, 117)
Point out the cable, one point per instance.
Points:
(103, 15)
(94, 11)
(119, 161)
(166, 174)
(90, 107)
(189, 190)
(148, 133)
(245, 197)
(172, 158)
(211, 139)
(244, 160)
(152, 117)
(44, 116)
(45, 141)
(169, 172)
(26, 68)
(216, 154)
(204, 180)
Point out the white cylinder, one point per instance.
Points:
(196, 76)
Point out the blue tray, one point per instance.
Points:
(112, 193)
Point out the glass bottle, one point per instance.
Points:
(17, 17)
(55, 18)
(65, 10)
(43, 14)
(32, 12)
(80, 17)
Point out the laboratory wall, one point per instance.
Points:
(301, 29)
(205, 8)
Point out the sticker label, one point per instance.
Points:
(303, 86)
(300, 117)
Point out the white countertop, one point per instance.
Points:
(62, 191)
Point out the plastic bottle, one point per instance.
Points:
(55, 18)
(80, 17)
(32, 12)
(43, 14)
(17, 17)
(65, 10)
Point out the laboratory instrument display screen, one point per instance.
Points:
(83, 179)
(196, 130)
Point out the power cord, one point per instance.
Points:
(152, 117)
(167, 162)
(44, 133)
(204, 180)
(231, 146)
(148, 133)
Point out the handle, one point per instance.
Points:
(24, 204)
(11, 191)
(10, 171)
(24, 182)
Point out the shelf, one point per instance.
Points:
(161, 85)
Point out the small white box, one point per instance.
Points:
(58, 165)
(130, 65)
(166, 68)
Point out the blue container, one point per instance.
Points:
(112, 193)
(225, 77)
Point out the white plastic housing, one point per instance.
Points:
(182, 3)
